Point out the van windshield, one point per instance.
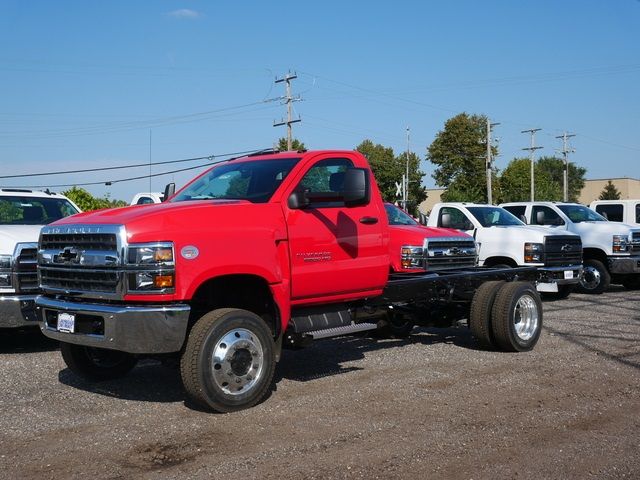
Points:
(579, 213)
(24, 210)
(255, 181)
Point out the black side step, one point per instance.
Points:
(340, 331)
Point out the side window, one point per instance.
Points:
(547, 216)
(612, 212)
(517, 211)
(637, 212)
(326, 179)
(144, 201)
(458, 220)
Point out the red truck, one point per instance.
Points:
(258, 253)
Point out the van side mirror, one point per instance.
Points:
(540, 218)
(357, 186)
(169, 190)
(445, 220)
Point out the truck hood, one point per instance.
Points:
(415, 234)
(165, 221)
(10, 235)
(519, 233)
(602, 228)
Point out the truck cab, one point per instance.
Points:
(504, 240)
(611, 250)
(625, 211)
(22, 214)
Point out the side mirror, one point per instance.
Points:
(445, 220)
(540, 218)
(356, 189)
(604, 214)
(298, 199)
(169, 190)
(523, 219)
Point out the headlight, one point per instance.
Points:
(5, 262)
(151, 281)
(533, 252)
(412, 257)
(151, 254)
(620, 243)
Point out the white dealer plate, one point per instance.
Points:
(66, 322)
(568, 274)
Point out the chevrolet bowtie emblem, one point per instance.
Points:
(68, 255)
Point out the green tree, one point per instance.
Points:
(296, 145)
(88, 202)
(459, 154)
(554, 168)
(515, 182)
(389, 169)
(610, 192)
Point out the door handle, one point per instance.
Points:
(369, 220)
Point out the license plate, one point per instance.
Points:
(66, 322)
(568, 274)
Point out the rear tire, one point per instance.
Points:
(595, 278)
(229, 360)
(480, 313)
(517, 317)
(97, 364)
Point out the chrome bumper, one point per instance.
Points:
(142, 329)
(18, 311)
(624, 264)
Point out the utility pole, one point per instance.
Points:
(288, 99)
(489, 161)
(532, 149)
(406, 177)
(565, 153)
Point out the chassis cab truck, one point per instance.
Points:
(505, 241)
(258, 253)
(611, 250)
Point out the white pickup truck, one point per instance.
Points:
(22, 215)
(611, 250)
(504, 240)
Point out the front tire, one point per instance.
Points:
(631, 282)
(517, 317)
(229, 360)
(595, 278)
(97, 364)
(563, 292)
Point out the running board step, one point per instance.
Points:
(339, 331)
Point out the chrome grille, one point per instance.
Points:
(561, 250)
(81, 241)
(76, 280)
(450, 252)
(635, 242)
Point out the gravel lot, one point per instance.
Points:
(433, 406)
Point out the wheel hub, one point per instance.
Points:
(237, 361)
(526, 317)
(590, 278)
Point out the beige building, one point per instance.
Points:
(628, 188)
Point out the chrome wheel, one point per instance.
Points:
(590, 278)
(237, 361)
(526, 317)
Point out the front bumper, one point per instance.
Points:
(18, 311)
(561, 275)
(141, 329)
(624, 264)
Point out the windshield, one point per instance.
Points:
(397, 216)
(493, 216)
(22, 210)
(255, 181)
(579, 213)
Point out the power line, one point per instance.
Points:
(100, 169)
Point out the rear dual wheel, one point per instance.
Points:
(506, 315)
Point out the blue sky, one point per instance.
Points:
(92, 84)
